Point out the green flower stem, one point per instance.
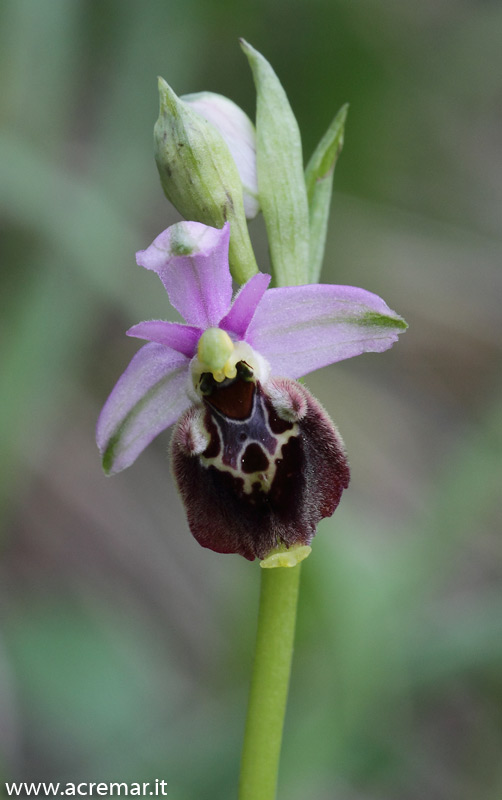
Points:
(269, 683)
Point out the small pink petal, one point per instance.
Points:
(183, 338)
(246, 301)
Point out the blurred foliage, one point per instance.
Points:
(124, 648)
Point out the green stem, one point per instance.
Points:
(269, 683)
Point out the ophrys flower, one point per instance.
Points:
(256, 458)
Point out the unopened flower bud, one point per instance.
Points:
(239, 134)
(200, 177)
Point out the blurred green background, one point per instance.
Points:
(124, 647)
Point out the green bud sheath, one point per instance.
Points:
(281, 183)
(200, 177)
(319, 181)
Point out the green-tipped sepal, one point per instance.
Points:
(281, 183)
(200, 177)
(319, 182)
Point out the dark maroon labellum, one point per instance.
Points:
(257, 466)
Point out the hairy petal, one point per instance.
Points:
(148, 397)
(191, 259)
(302, 328)
(182, 338)
(291, 457)
(246, 301)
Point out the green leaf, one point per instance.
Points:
(319, 181)
(281, 184)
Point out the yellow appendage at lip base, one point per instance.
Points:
(283, 556)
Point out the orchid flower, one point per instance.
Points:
(256, 458)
